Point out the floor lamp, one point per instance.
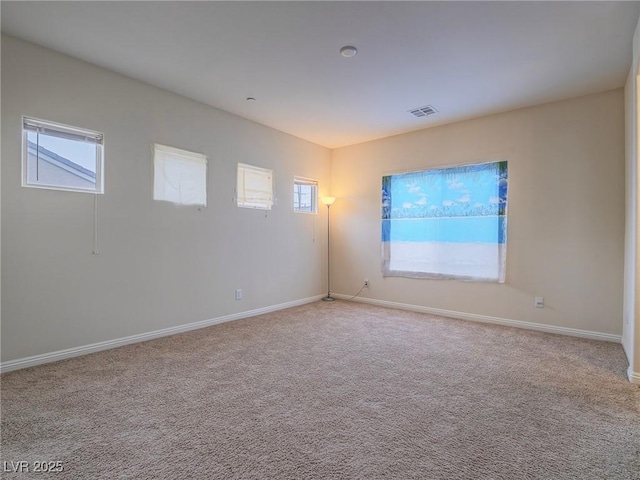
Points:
(328, 201)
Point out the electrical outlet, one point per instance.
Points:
(238, 294)
(539, 302)
(366, 282)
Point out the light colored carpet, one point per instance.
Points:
(338, 390)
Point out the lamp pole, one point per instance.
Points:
(328, 201)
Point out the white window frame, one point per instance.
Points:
(314, 194)
(242, 199)
(180, 156)
(68, 131)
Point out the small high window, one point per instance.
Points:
(255, 187)
(305, 195)
(61, 157)
(179, 176)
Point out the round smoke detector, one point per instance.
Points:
(348, 51)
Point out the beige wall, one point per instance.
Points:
(566, 213)
(159, 265)
(630, 216)
(631, 325)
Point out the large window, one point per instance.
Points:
(305, 195)
(179, 176)
(446, 223)
(61, 157)
(254, 187)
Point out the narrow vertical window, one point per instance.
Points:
(305, 195)
(61, 157)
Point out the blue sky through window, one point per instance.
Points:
(472, 190)
(81, 153)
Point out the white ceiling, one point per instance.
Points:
(466, 59)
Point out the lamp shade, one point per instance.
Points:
(328, 200)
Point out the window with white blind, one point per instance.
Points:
(179, 176)
(61, 157)
(254, 187)
(305, 195)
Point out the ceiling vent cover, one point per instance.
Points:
(423, 111)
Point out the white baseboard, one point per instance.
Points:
(143, 337)
(634, 377)
(20, 363)
(574, 332)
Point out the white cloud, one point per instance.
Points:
(433, 207)
(478, 205)
(494, 199)
(455, 185)
(422, 194)
(465, 198)
(448, 203)
(422, 201)
(413, 188)
(407, 205)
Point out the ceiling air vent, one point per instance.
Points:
(423, 111)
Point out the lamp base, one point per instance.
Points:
(328, 298)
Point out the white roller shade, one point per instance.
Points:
(255, 187)
(179, 176)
